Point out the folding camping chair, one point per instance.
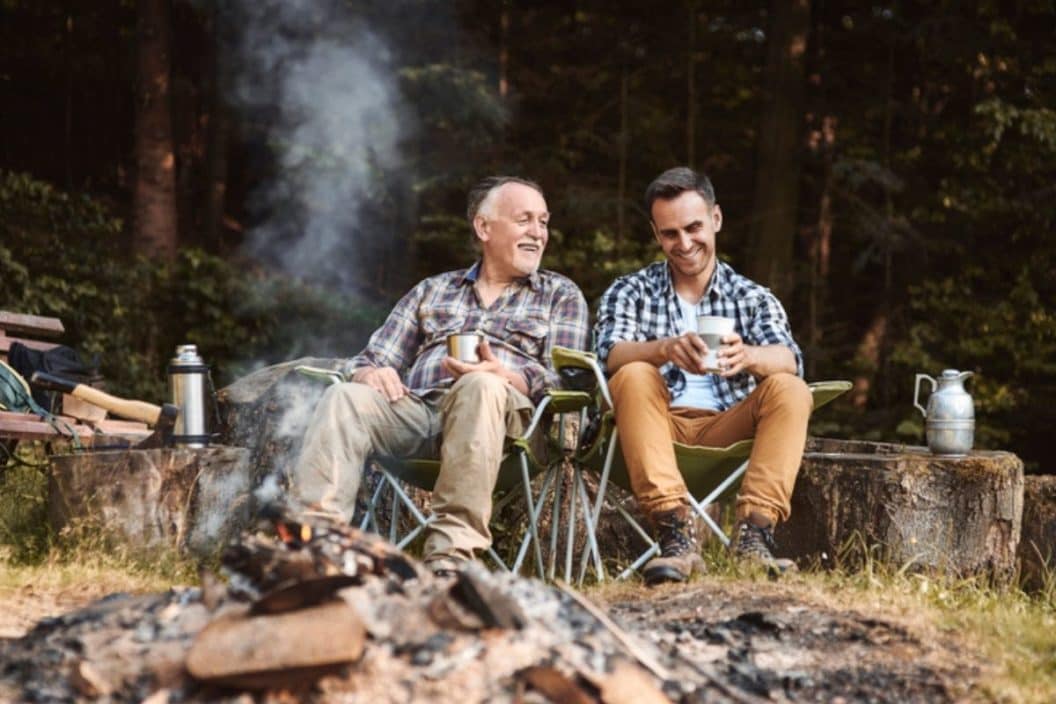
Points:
(711, 473)
(518, 468)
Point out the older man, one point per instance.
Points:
(647, 337)
(406, 393)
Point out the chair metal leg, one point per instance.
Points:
(570, 537)
(592, 542)
(533, 515)
(369, 516)
(701, 507)
(555, 524)
(653, 549)
(534, 511)
(394, 518)
(603, 484)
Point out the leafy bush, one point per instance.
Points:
(65, 255)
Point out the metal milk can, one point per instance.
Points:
(949, 421)
(188, 374)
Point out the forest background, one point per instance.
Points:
(266, 177)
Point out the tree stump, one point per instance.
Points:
(268, 411)
(190, 500)
(907, 507)
(1037, 544)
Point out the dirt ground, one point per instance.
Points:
(23, 606)
(778, 641)
(787, 642)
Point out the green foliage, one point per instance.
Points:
(63, 255)
(1008, 338)
(23, 506)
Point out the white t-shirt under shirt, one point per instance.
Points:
(700, 389)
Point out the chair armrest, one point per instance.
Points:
(565, 401)
(566, 357)
(331, 376)
(825, 391)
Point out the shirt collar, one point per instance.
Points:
(717, 288)
(534, 280)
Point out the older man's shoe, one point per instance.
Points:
(753, 540)
(679, 552)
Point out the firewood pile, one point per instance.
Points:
(316, 611)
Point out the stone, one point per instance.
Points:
(905, 506)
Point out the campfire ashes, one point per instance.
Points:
(317, 611)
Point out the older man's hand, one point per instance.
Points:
(384, 380)
(488, 363)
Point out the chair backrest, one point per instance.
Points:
(703, 468)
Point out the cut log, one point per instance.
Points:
(1037, 546)
(906, 506)
(190, 500)
(261, 651)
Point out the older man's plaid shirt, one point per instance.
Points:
(530, 317)
(642, 306)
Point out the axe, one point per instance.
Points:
(161, 418)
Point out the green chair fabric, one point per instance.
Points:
(518, 468)
(711, 473)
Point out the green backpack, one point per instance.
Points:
(15, 396)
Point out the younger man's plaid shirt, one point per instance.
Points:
(643, 306)
(530, 317)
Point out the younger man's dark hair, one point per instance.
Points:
(674, 182)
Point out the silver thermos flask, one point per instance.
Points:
(188, 374)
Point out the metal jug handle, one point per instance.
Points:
(916, 392)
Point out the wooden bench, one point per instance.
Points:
(14, 325)
(88, 421)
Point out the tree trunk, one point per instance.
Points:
(778, 167)
(504, 49)
(219, 127)
(691, 88)
(621, 186)
(154, 199)
(867, 358)
(859, 501)
(67, 60)
(821, 244)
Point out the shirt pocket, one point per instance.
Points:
(528, 335)
(437, 324)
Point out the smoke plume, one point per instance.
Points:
(320, 99)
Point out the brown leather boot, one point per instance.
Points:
(753, 540)
(679, 551)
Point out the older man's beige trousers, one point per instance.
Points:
(775, 414)
(466, 427)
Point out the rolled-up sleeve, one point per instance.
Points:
(395, 343)
(770, 326)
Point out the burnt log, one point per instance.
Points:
(909, 508)
(167, 498)
(1037, 544)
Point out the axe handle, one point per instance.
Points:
(136, 410)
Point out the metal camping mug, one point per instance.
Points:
(463, 346)
(711, 329)
(187, 380)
